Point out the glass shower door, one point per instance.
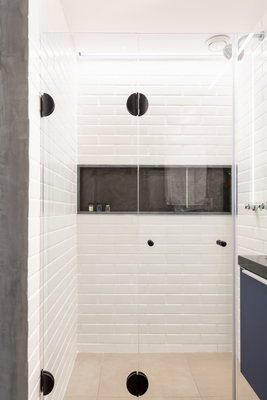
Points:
(251, 176)
(141, 285)
(90, 260)
(114, 233)
(58, 224)
(185, 171)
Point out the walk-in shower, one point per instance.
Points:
(139, 218)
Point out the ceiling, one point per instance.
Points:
(163, 16)
(100, 44)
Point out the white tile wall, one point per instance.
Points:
(188, 120)
(252, 142)
(183, 291)
(182, 286)
(52, 240)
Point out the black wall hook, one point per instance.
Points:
(47, 105)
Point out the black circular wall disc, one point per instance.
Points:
(137, 383)
(137, 104)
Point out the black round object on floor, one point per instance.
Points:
(150, 243)
(137, 383)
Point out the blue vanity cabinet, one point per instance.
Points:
(253, 316)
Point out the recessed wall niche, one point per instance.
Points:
(154, 189)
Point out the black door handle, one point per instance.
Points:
(221, 243)
(137, 104)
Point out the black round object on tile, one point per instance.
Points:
(221, 243)
(47, 105)
(150, 243)
(137, 104)
(137, 383)
(47, 382)
(132, 105)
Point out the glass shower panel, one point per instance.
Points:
(185, 171)
(90, 260)
(59, 250)
(141, 279)
(111, 67)
(250, 109)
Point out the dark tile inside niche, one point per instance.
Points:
(152, 190)
(161, 189)
(220, 188)
(185, 189)
(116, 186)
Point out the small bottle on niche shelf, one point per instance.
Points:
(90, 207)
(107, 207)
(99, 207)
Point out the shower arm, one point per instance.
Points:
(260, 37)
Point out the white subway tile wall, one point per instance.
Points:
(252, 146)
(181, 287)
(183, 292)
(188, 121)
(52, 240)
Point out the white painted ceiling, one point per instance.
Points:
(142, 44)
(163, 16)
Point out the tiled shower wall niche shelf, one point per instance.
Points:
(161, 189)
(107, 184)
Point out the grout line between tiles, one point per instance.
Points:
(103, 356)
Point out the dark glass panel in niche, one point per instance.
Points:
(113, 186)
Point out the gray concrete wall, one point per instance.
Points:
(14, 182)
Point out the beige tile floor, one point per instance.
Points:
(172, 376)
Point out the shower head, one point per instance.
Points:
(228, 52)
(228, 49)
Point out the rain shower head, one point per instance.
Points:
(228, 49)
(228, 52)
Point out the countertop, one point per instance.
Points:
(255, 264)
